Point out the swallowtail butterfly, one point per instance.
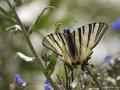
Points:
(75, 48)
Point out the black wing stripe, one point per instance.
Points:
(49, 36)
(80, 36)
(61, 38)
(97, 33)
(73, 35)
(54, 40)
(102, 29)
(65, 44)
(58, 36)
(101, 25)
(47, 43)
(93, 27)
(74, 41)
(80, 40)
(89, 33)
(83, 29)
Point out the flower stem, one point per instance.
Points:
(26, 35)
(94, 78)
(69, 76)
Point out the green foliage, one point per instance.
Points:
(51, 66)
(50, 62)
(8, 15)
(3, 11)
(37, 22)
(82, 10)
(58, 27)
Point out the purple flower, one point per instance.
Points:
(47, 85)
(18, 79)
(116, 24)
(107, 58)
(65, 30)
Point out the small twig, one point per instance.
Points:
(30, 46)
(82, 80)
(62, 82)
(66, 75)
(94, 78)
(69, 76)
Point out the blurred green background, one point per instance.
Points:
(71, 13)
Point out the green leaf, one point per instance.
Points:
(45, 57)
(58, 27)
(37, 21)
(8, 16)
(51, 66)
(3, 11)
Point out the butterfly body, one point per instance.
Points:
(75, 48)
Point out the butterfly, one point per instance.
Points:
(76, 47)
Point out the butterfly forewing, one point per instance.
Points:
(57, 43)
(87, 37)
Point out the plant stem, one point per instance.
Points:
(69, 76)
(94, 78)
(66, 75)
(30, 46)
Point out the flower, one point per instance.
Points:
(18, 79)
(116, 24)
(107, 58)
(47, 85)
(65, 30)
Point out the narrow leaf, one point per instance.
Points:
(58, 27)
(51, 66)
(37, 21)
(8, 16)
(3, 11)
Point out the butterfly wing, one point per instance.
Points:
(87, 37)
(58, 44)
